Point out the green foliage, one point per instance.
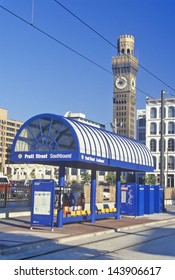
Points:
(74, 182)
(32, 174)
(122, 180)
(111, 178)
(150, 179)
(86, 177)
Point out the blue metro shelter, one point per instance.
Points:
(56, 140)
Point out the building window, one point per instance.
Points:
(153, 128)
(153, 146)
(74, 171)
(171, 162)
(101, 173)
(155, 162)
(171, 112)
(170, 128)
(153, 113)
(142, 122)
(141, 136)
(170, 182)
(10, 123)
(171, 145)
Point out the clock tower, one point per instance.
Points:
(125, 67)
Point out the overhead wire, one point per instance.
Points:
(106, 40)
(64, 45)
(56, 40)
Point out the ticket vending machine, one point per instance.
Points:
(132, 199)
(127, 199)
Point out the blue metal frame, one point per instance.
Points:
(61, 184)
(91, 145)
(56, 140)
(37, 217)
(93, 195)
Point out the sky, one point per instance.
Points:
(38, 74)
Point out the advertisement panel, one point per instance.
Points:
(42, 204)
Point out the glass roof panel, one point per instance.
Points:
(45, 134)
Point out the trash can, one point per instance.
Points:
(148, 199)
(158, 199)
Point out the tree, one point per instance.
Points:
(32, 174)
(86, 177)
(150, 179)
(74, 182)
(111, 178)
(122, 180)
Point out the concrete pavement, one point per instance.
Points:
(16, 236)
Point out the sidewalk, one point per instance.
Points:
(16, 236)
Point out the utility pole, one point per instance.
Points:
(33, 4)
(162, 163)
(3, 145)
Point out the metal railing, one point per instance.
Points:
(15, 197)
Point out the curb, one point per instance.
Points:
(61, 240)
(6, 215)
(87, 235)
(146, 224)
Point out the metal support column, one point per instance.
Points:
(61, 184)
(162, 162)
(162, 167)
(93, 195)
(118, 195)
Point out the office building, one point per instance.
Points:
(8, 130)
(153, 137)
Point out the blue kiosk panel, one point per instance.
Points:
(149, 199)
(140, 200)
(127, 199)
(158, 199)
(132, 199)
(42, 206)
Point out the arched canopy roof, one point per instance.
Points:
(57, 140)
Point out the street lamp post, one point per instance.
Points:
(162, 167)
(162, 163)
(3, 145)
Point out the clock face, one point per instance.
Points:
(133, 83)
(121, 82)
